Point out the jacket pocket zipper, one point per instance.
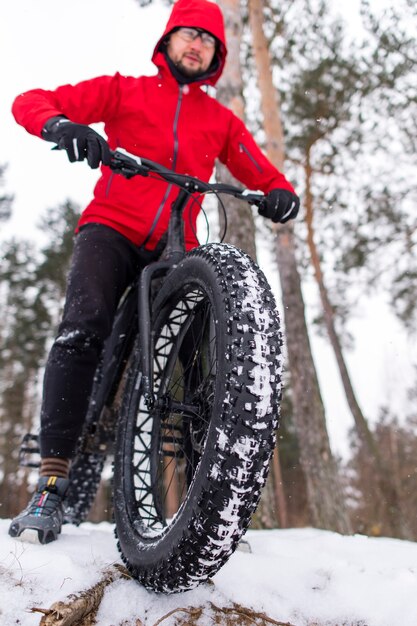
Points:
(251, 157)
(109, 182)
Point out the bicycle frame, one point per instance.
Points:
(135, 315)
(130, 165)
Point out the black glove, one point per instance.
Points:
(80, 141)
(280, 205)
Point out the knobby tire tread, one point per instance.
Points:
(85, 478)
(241, 436)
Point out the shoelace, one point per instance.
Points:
(44, 503)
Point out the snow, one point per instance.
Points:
(301, 576)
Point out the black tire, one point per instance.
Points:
(85, 477)
(213, 422)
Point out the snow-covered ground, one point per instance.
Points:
(301, 576)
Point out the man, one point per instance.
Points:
(167, 118)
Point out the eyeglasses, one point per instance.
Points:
(190, 34)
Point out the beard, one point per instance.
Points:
(188, 71)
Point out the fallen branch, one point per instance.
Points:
(225, 616)
(80, 609)
(243, 612)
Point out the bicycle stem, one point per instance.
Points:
(175, 248)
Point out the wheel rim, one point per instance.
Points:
(169, 440)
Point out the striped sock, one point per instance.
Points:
(55, 466)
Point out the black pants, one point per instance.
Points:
(104, 263)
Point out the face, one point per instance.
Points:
(192, 56)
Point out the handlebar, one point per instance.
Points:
(129, 165)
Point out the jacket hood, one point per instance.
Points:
(198, 14)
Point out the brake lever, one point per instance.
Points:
(127, 164)
(254, 197)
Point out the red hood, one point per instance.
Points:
(198, 14)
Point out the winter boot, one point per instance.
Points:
(41, 520)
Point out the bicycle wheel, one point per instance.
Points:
(189, 471)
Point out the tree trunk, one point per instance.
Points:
(240, 223)
(388, 492)
(325, 497)
(241, 228)
(280, 501)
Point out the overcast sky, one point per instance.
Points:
(45, 43)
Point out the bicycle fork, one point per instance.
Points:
(173, 254)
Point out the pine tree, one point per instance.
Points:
(323, 103)
(385, 254)
(24, 331)
(324, 491)
(59, 224)
(32, 285)
(5, 199)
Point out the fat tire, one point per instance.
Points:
(226, 483)
(85, 478)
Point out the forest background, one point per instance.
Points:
(334, 104)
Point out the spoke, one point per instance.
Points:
(169, 439)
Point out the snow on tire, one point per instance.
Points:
(189, 471)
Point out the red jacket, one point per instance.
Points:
(179, 126)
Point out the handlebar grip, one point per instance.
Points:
(254, 197)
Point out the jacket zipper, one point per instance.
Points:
(251, 157)
(174, 163)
